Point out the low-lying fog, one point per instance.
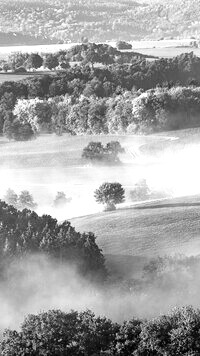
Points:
(58, 286)
(174, 173)
(171, 173)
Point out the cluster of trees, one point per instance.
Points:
(83, 334)
(95, 151)
(22, 201)
(104, 100)
(155, 110)
(86, 53)
(122, 45)
(24, 232)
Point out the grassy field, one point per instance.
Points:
(15, 77)
(130, 235)
(51, 163)
(167, 52)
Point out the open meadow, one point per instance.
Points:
(51, 163)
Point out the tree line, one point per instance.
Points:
(133, 112)
(139, 97)
(88, 53)
(83, 334)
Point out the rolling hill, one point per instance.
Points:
(132, 236)
(101, 21)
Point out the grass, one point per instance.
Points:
(147, 230)
(15, 77)
(128, 237)
(167, 52)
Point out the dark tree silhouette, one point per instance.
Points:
(110, 194)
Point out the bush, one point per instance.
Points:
(95, 151)
(123, 45)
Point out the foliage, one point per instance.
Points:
(68, 22)
(95, 151)
(123, 45)
(25, 201)
(114, 99)
(61, 200)
(11, 198)
(82, 334)
(141, 191)
(110, 194)
(34, 61)
(23, 232)
(51, 61)
(59, 333)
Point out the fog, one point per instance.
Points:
(37, 284)
(171, 172)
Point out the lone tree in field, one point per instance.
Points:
(110, 194)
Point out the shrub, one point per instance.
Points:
(123, 45)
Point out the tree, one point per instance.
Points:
(64, 334)
(112, 149)
(11, 198)
(34, 61)
(61, 200)
(128, 337)
(23, 232)
(51, 61)
(110, 194)
(26, 201)
(141, 191)
(123, 45)
(93, 151)
(8, 125)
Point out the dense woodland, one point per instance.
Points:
(141, 96)
(100, 21)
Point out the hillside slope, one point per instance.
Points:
(168, 227)
(101, 21)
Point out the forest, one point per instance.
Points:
(64, 21)
(139, 97)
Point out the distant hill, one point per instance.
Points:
(101, 21)
(19, 39)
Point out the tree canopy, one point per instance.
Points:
(110, 194)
